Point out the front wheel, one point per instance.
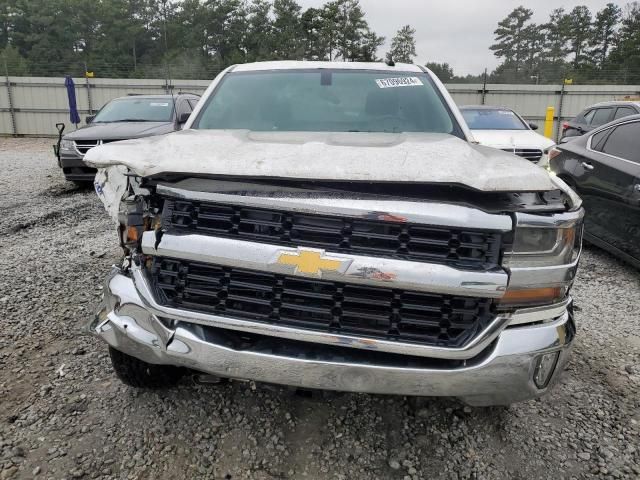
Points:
(139, 374)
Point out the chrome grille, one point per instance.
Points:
(531, 154)
(83, 146)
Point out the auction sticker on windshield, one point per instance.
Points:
(398, 82)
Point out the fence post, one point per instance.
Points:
(484, 86)
(88, 86)
(12, 112)
(560, 111)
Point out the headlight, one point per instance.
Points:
(535, 246)
(543, 258)
(66, 145)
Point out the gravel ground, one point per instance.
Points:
(65, 415)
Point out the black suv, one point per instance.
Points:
(133, 116)
(597, 115)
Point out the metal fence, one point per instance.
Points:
(31, 106)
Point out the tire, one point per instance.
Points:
(82, 184)
(139, 374)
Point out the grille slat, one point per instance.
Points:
(531, 154)
(461, 248)
(320, 305)
(83, 146)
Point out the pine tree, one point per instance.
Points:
(624, 56)
(316, 45)
(579, 33)
(287, 30)
(511, 41)
(441, 70)
(369, 46)
(603, 33)
(403, 45)
(556, 34)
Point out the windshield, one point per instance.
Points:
(492, 119)
(327, 101)
(136, 110)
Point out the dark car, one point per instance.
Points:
(123, 118)
(597, 115)
(604, 168)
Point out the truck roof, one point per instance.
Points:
(311, 65)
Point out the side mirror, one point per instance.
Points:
(183, 117)
(89, 119)
(533, 126)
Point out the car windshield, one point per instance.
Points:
(492, 119)
(136, 110)
(327, 101)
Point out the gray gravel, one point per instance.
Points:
(65, 415)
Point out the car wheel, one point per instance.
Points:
(139, 374)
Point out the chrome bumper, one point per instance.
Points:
(501, 374)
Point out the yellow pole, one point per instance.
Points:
(548, 122)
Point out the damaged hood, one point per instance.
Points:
(367, 157)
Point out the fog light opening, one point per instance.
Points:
(545, 366)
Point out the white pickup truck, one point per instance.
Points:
(334, 226)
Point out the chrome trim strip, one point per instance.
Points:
(375, 271)
(137, 292)
(90, 146)
(545, 313)
(549, 276)
(427, 213)
(558, 220)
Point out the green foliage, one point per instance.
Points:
(625, 56)
(16, 65)
(441, 70)
(403, 45)
(576, 45)
(511, 38)
(181, 38)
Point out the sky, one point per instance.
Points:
(458, 32)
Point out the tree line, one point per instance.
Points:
(198, 38)
(194, 38)
(580, 45)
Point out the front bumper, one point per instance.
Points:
(501, 374)
(74, 168)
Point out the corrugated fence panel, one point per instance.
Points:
(578, 96)
(41, 102)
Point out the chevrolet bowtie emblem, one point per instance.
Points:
(312, 262)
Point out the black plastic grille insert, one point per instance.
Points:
(424, 318)
(463, 248)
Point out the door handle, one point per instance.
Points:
(587, 166)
